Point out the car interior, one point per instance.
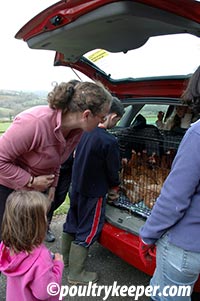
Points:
(149, 152)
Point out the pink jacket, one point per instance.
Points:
(28, 275)
(34, 145)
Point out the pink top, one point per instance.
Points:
(28, 275)
(34, 145)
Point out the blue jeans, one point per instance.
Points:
(174, 267)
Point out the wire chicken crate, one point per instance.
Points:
(149, 154)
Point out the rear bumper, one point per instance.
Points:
(126, 246)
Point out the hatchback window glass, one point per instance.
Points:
(150, 112)
(161, 56)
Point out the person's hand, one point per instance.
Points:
(113, 194)
(58, 256)
(146, 251)
(42, 183)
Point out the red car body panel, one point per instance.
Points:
(151, 87)
(74, 28)
(125, 241)
(126, 246)
(70, 10)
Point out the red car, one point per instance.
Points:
(144, 51)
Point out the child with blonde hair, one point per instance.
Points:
(28, 265)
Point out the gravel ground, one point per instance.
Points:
(110, 269)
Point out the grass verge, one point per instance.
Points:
(64, 207)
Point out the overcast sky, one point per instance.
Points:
(23, 68)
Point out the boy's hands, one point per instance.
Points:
(113, 194)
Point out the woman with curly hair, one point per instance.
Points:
(41, 138)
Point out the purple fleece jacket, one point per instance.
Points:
(28, 275)
(34, 145)
(177, 209)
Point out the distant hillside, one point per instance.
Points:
(13, 102)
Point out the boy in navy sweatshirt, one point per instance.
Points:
(95, 175)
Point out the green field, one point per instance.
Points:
(4, 126)
(151, 119)
(63, 208)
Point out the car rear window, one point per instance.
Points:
(161, 56)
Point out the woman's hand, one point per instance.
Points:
(42, 183)
(146, 251)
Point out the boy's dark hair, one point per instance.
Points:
(117, 107)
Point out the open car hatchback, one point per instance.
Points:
(144, 52)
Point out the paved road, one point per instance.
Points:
(109, 267)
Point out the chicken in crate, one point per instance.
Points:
(148, 157)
